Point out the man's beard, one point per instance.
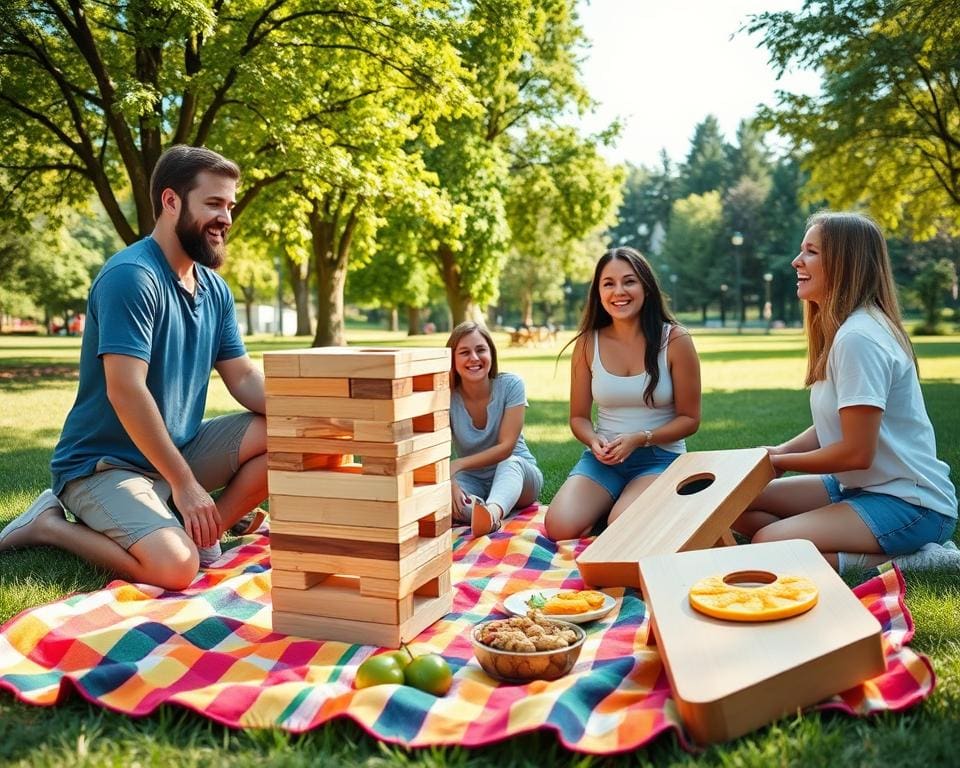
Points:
(195, 244)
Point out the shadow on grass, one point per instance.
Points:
(29, 374)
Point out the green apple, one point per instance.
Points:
(379, 670)
(429, 673)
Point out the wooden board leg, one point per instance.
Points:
(727, 540)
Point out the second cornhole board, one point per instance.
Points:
(730, 677)
(668, 518)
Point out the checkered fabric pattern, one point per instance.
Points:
(211, 648)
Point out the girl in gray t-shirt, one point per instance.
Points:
(494, 472)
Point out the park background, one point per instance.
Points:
(425, 161)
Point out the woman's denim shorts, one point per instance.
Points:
(651, 460)
(900, 527)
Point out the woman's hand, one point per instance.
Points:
(599, 447)
(620, 448)
(459, 497)
(774, 451)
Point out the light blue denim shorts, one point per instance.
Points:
(651, 460)
(900, 527)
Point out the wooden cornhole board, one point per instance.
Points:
(730, 677)
(667, 517)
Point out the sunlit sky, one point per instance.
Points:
(661, 66)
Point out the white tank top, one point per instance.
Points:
(620, 405)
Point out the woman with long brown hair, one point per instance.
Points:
(873, 488)
(641, 368)
(494, 472)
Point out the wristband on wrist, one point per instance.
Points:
(648, 437)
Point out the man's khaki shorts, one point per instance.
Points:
(126, 504)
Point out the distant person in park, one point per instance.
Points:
(494, 472)
(872, 486)
(642, 370)
(136, 463)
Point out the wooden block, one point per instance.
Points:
(432, 569)
(731, 677)
(303, 386)
(426, 611)
(339, 597)
(381, 389)
(431, 381)
(373, 363)
(313, 562)
(323, 407)
(436, 587)
(408, 443)
(433, 473)
(424, 500)
(281, 364)
(381, 432)
(667, 517)
(412, 461)
(349, 532)
(294, 579)
(431, 526)
(335, 548)
(343, 483)
(299, 462)
(432, 422)
(388, 411)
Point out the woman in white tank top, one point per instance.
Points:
(642, 370)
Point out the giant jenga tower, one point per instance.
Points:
(358, 447)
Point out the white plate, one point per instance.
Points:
(517, 605)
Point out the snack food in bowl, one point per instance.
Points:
(524, 648)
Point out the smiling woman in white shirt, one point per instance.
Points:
(873, 488)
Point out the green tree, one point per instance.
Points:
(562, 197)
(93, 92)
(884, 130)
(523, 59)
(648, 197)
(707, 165)
(929, 290)
(745, 211)
(692, 251)
(250, 274)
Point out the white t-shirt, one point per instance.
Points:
(866, 366)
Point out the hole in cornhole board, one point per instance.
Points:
(749, 579)
(695, 484)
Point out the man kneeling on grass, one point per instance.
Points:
(135, 463)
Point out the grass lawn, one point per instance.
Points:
(753, 395)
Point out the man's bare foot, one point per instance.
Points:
(29, 529)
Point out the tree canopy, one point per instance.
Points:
(884, 131)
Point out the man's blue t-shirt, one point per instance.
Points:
(137, 307)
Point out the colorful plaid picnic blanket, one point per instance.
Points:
(210, 648)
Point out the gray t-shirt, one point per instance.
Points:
(506, 391)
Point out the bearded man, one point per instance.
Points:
(136, 462)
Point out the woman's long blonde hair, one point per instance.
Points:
(858, 274)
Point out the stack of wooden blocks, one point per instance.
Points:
(358, 447)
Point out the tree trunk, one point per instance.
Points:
(331, 251)
(460, 303)
(331, 280)
(394, 319)
(300, 282)
(703, 312)
(527, 303)
(413, 321)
